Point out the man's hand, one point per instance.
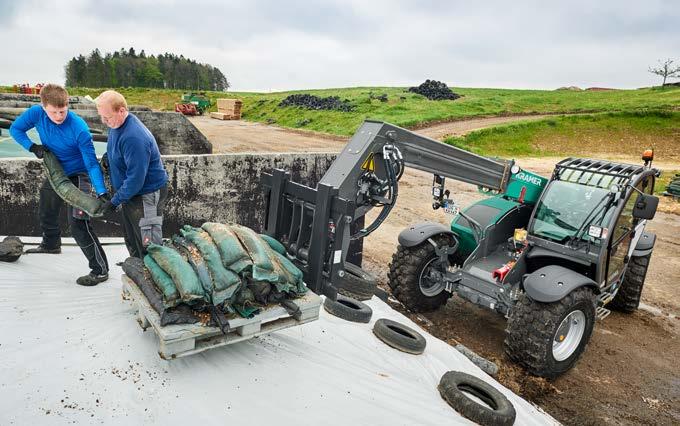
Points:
(38, 150)
(104, 163)
(108, 207)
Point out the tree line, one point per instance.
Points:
(127, 68)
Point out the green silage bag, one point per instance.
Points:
(183, 275)
(163, 282)
(293, 279)
(68, 192)
(225, 282)
(233, 255)
(258, 249)
(192, 255)
(274, 244)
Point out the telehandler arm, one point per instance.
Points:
(316, 225)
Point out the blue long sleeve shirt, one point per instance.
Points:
(134, 161)
(70, 142)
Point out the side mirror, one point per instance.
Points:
(645, 206)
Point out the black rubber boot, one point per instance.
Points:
(91, 279)
(42, 249)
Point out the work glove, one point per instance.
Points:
(104, 163)
(109, 207)
(38, 150)
(104, 197)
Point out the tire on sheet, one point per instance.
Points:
(497, 410)
(399, 336)
(348, 309)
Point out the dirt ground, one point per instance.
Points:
(628, 373)
(228, 136)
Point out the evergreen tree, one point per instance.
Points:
(126, 68)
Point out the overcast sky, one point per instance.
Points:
(296, 44)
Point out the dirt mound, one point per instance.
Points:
(304, 100)
(434, 91)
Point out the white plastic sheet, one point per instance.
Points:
(76, 354)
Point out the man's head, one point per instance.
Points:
(54, 99)
(112, 108)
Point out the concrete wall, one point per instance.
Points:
(222, 188)
(174, 133)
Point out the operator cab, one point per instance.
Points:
(588, 218)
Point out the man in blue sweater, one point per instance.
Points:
(138, 177)
(67, 136)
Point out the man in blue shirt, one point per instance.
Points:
(67, 136)
(138, 177)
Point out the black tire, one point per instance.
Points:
(406, 271)
(532, 327)
(348, 309)
(382, 294)
(399, 336)
(627, 299)
(357, 283)
(453, 386)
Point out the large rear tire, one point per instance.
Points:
(548, 338)
(627, 299)
(414, 280)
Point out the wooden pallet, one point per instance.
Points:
(225, 116)
(176, 341)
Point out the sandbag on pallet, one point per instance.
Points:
(181, 314)
(163, 282)
(225, 282)
(67, 190)
(183, 275)
(192, 255)
(274, 244)
(258, 249)
(233, 255)
(290, 273)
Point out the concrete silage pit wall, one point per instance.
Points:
(202, 188)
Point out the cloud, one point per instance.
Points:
(271, 45)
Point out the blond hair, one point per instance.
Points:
(55, 95)
(113, 98)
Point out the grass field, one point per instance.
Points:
(408, 109)
(586, 135)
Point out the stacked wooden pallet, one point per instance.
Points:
(228, 109)
(180, 340)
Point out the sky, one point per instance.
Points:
(298, 44)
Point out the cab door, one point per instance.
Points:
(623, 234)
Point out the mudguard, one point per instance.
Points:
(416, 234)
(551, 283)
(645, 244)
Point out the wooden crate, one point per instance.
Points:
(228, 104)
(176, 341)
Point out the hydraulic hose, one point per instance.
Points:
(391, 160)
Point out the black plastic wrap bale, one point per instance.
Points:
(181, 314)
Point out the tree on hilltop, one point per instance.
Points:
(666, 70)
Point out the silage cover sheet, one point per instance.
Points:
(76, 354)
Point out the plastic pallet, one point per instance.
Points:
(179, 340)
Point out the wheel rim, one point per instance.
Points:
(430, 281)
(568, 335)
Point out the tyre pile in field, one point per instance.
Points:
(434, 91)
(303, 100)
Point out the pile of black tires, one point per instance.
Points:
(304, 100)
(435, 91)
